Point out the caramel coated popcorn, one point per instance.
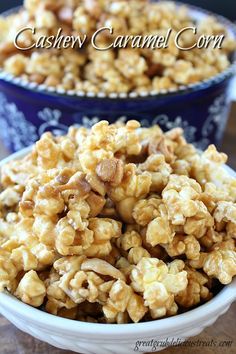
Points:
(159, 283)
(121, 68)
(117, 224)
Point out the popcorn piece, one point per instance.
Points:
(78, 213)
(57, 299)
(130, 63)
(182, 244)
(199, 224)
(198, 263)
(8, 271)
(65, 265)
(226, 245)
(96, 204)
(196, 290)
(31, 289)
(225, 211)
(179, 196)
(121, 299)
(124, 266)
(125, 209)
(145, 210)
(208, 167)
(44, 228)
(65, 239)
(181, 199)
(103, 230)
(136, 308)
(211, 237)
(132, 185)
(49, 201)
(81, 286)
(24, 259)
(159, 170)
(159, 231)
(16, 64)
(129, 240)
(221, 264)
(212, 195)
(158, 283)
(48, 151)
(106, 140)
(136, 254)
(82, 282)
(44, 254)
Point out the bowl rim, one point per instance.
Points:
(181, 90)
(170, 324)
(203, 312)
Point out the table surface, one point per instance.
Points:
(13, 341)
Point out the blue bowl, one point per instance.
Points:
(27, 110)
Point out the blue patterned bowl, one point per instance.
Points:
(27, 109)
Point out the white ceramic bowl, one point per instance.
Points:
(93, 338)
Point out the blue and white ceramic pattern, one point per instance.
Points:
(27, 109)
